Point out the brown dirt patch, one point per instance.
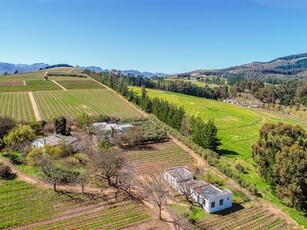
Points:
(11, 83)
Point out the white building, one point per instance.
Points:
(178, 177)
(211, 198)
(52, 140)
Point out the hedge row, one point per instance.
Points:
(63, 74)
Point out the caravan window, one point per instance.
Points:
(221, 202)
(212, 204)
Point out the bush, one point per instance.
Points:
(6, 173)
(37, 127)
(14, 158)
(19, 137)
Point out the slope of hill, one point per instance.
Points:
(293, 66)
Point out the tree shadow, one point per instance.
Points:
(225, 152)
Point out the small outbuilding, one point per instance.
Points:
(104, 126)
(211, 198)
(53, 141)
(177, 177)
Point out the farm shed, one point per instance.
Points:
(211, 198)
(177, 177)
(104, 126)
(53, 140)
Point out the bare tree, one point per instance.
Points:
(156, 191)
(113, 169)
(186, 191)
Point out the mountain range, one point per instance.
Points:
(282, 67)
(11, 68)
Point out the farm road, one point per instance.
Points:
(58, 84)
(37, 114)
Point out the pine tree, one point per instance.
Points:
(210, 136)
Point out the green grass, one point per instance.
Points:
(23, 204)
(238, 128)
(79, 84)
(17, 106)
(73, 103)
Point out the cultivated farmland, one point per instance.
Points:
(73, 84)
(164, 156)
(74, 102)
(16, 105)
(238, 128)
(252, 217)
(25, 206)
(31, 85)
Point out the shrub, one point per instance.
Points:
(6, 173)
(19, 137)
(14, 158)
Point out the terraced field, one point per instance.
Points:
(16, 105)
(24, 206)
(252, 218)
(74, 102)
(163, 155)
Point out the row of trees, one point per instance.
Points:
(177, 86)
(167, 112)
(287, 93)
(280, 155)
(66, 74)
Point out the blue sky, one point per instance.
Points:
(153, 35)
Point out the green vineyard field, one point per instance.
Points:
(74, 102)
(164, 155)
(16, 105)
(26, 207)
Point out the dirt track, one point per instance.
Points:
(37, 114)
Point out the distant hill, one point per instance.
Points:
(24, 68)
(21, 68)
(93, 68)
(145, 74)
(292, 66)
